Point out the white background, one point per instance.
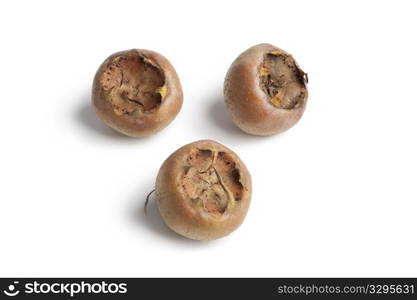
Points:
(333, 196)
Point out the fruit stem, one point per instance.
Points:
(145, 206)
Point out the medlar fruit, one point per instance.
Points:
(265, 90)
(137, 92)
(203, 190)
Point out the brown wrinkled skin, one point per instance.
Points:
(132, 117)
(251, 107)
(203, 191)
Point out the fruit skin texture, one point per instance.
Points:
(248, 105)
(188, 217)
(149, 122)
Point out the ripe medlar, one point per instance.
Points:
(265, 90)
(137, 92)
(203, 190)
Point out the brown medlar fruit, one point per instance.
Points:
(203, 190)
(137, 92)
(265, 90)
